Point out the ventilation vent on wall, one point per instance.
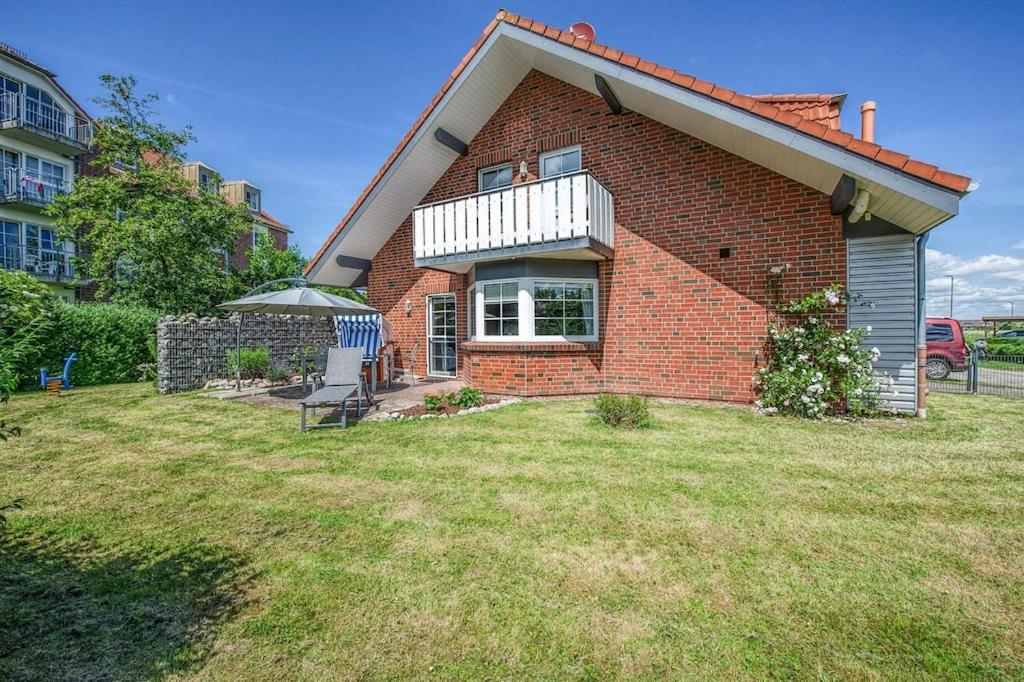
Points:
(725, 252)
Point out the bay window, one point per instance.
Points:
(533, 309)
(501, 308)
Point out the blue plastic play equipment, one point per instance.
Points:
(65, 376)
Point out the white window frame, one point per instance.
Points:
(257, 230)
(558, 152)
(256, 200)
(480, 177)
(527, 324)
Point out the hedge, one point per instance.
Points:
(111, 342)
(1008, 346)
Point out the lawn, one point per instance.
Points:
(182, 537)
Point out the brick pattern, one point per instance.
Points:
(676, 319)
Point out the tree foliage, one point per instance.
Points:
(149, 235)
(26, 319)
(267, 263)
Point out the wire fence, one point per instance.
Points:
(982, 374)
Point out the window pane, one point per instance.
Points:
(492, 327)
(552, 166)
(571, 161)
(579, 328)
(510, 290)
(548, 308)
(492, 292)
(492, 310)
(549, 327)
(505, 176)
(510, 310)
(574, 309)
(510, 327)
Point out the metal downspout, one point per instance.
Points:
(922, 342)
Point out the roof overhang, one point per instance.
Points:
(508, 54)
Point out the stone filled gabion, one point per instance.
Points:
(192, 350)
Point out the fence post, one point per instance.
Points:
(974, 374)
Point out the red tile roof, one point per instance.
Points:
(270, 220)
(870, 150)
(814, 107)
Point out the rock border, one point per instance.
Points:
(399, 416)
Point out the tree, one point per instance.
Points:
(266, 263)
(149, 236)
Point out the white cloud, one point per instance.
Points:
(171, 99)
(985, 285)
(1018, 245)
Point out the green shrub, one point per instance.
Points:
(812, 368)
(628, 411)
(465, 398)
(111, 340)
(999, 346)
(276, 374)
(434, 403)
(255, 362)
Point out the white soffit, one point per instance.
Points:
(508, 55)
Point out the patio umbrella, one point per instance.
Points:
(299, 300)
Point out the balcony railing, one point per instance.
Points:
(48, 264)
(16, 108)
(23, 186)
(550, 214)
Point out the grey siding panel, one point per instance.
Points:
(883, 271)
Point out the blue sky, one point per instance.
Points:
(307, 99)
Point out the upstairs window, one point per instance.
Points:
(495, 178)
(259, 231)
(252, 200)
(560, 162)
(9, 91)
(42, 110)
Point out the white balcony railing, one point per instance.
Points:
(541, 212)
(14, 106)
(21, 185)
(48, 264)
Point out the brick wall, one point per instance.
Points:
(239, 258)
(676, 319)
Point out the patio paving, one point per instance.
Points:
(399, 396)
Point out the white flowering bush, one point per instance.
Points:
(814, 369)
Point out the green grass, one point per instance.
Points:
(190, 538)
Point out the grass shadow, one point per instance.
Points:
(74, 611)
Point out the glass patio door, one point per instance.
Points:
(441, 341)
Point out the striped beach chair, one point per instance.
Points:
(360, 331)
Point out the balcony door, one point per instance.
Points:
(441, 340)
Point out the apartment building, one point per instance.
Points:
(240, 192)
(43, 132)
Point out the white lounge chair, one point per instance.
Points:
(342, 379)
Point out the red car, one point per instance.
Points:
(947, 350)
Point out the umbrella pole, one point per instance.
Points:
(238, 354)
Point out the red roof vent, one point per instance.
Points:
(582, 29)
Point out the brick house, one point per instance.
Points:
(565, 218)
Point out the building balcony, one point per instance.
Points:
(50, 265)
(43, 126)
(28, 188)
(571, 216)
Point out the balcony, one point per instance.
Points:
(29, 188)
(42, 125)
(51, 265)
(571, 216)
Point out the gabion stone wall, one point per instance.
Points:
(191, 350)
